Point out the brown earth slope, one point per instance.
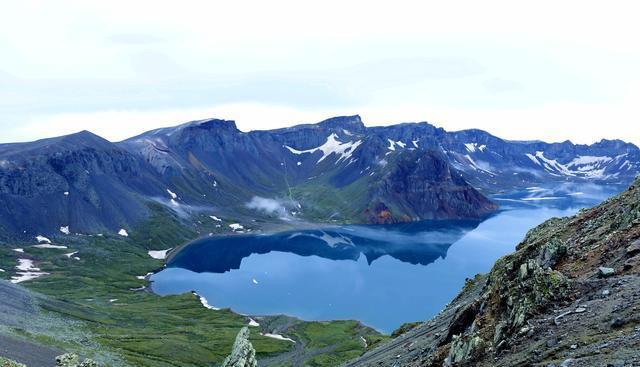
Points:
(568, 296)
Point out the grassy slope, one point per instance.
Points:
(148, 330)
(322, 201)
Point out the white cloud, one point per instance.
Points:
(547, 70)
(268, 206)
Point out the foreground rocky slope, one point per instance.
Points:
(569, 296)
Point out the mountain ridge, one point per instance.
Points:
(330, 171)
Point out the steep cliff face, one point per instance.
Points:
(79, 181)
(422, 185)
(568, 296)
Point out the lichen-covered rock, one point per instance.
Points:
(67, 360)
(73, 360)
(88, 363)
(463, 349)
(242, 354)
(605, 272)
(634, 248)
(4, 362)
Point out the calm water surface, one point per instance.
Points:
(381, 275)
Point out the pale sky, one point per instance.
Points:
(550, 70)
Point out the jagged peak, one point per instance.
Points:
(613, 143)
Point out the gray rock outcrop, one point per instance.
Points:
(242, 354)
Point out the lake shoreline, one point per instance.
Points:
(240, 268)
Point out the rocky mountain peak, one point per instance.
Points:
(83, 140)
(213, 123)
(353, 123)
(86, 138)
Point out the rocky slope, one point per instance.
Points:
(569, 296)
(335, 170)
(422, 185)
(77, 183)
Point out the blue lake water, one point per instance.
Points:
(381, 275)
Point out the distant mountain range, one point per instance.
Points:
(335, 170)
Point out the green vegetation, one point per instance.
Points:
(344, 204)
(102, 289)
(338, 337)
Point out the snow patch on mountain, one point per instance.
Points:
(472, 147)
(160, 255)
(204, 302)
(533, 159)
(48, 245)
(26, 271)
(331, 146)
(41, 239)
(278, 337)
(553, 166)
(586, 166)
(393, 143)
(588, 159)
(479, 166)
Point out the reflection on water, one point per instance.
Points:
(415, 243)
(380, 275)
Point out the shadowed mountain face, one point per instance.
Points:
(337, 170)
(80, 180)
(416, 243)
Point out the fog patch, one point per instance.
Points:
(535, 173)
(273, 207)
(485, 166)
